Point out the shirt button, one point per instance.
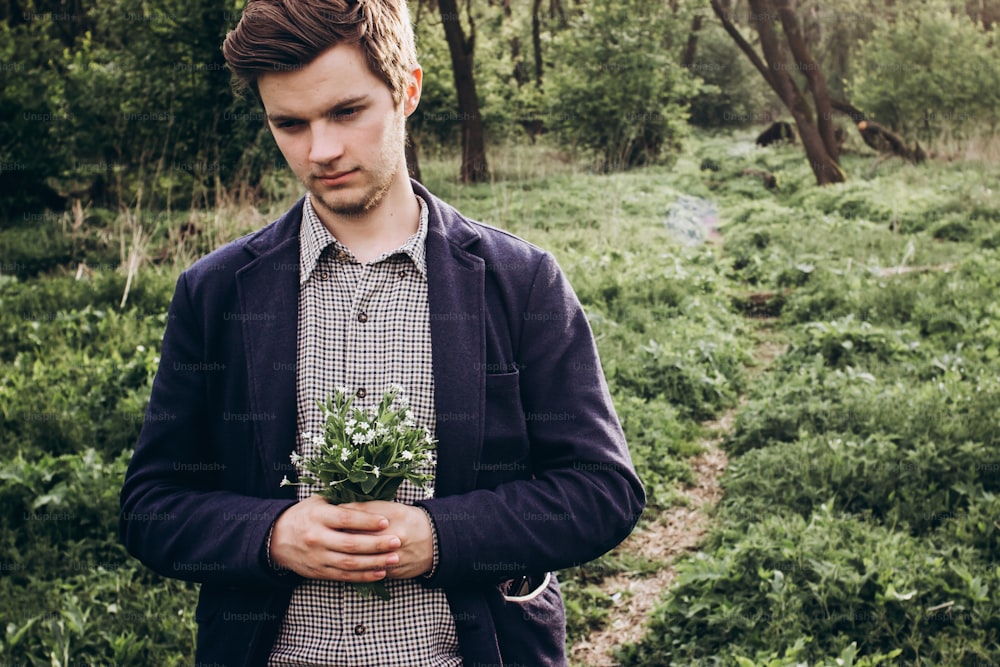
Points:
(362, 317)
(361, 393)
(323, 275)
(342, 255)
(359, 629)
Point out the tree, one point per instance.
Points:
(112, 102)
(474, 168)
(618, 92)
(815, 126)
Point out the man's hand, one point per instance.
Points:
(341, 542)
(412, 527)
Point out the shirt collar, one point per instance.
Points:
(314, 238)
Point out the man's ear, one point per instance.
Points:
(411, 95)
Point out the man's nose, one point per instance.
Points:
(327, 142)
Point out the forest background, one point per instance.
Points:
(125, 155)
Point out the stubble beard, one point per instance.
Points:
(383, 176)
(369, 200)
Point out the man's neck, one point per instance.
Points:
(384, 228)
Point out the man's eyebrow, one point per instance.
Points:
(345, 103)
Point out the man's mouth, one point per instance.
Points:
(336, 177)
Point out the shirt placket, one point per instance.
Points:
(361, 355)
(365, 375)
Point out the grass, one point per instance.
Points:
(676, 346)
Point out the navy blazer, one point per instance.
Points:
(533, 471)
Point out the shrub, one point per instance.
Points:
(910, 485)
(816, 585)
(71, 594)
(731, 94)
(616, 90)
(930, 72)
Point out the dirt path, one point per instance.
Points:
(677, 531)
(674, 532)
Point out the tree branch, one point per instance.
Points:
(744, 45)
(814, 77)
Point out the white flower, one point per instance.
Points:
(369, 436)
(318, 440)
(407, 455)
(295, 457)
(427, 436)
(341, 389)
(429, 491)
(394, 389)
(381, 431)
(284, 481)
(376, 471)
(358, 438)
(345, 453)
(307, 435)
(363, 426)
(140, 348)
(401, 429)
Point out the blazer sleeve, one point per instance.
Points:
(584, 496)
(173, 516)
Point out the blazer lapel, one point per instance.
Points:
(456, 281)
(268, 293)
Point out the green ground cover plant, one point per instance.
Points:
(858, 524)
(859, 519)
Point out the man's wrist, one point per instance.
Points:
(434, 540)
(273, 566)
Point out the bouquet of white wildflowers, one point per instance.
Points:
(365, 455)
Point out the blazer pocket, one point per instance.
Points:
(531, 628)
(505, 453)
(513, 593)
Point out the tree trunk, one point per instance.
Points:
(412, 163)
(691, 48)
(814, 77)
(536, 40)
(474, 168)
(824, 164)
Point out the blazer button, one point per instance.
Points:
(359, 629)
(361, 392)
(362, 317)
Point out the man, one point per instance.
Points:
(368, 281)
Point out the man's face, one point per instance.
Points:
(337, 126)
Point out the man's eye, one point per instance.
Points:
(347, 114)
(288, 124)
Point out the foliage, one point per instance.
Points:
(930, 72)
(858, 522)
(366, 454)
(862, 464)
(70, 593)
(731, 94)
(618, 91)
(122, 103)
(814, 586)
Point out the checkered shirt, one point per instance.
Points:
(364, 326)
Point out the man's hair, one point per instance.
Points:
(284, 35)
